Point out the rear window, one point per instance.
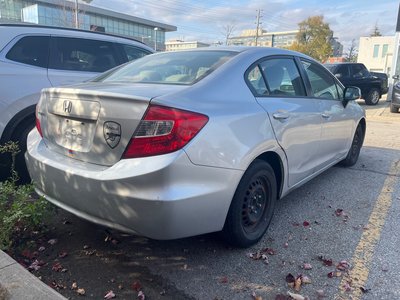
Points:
(170, 67)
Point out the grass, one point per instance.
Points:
(20, 208)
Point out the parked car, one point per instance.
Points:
(178, 144)
(395, 104)
(35, 57)
(372, 85)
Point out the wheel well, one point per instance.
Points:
(276, 163)
(19, 119)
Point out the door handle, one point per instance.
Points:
(326, 116)
(280, 116)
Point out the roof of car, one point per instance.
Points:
(31, 25)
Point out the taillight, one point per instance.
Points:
(163, 130)
(38, 127)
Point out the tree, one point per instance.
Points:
(375, 31)
(314, 38)
(227, 31)
(352, 53)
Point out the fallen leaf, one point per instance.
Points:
(74, 285)
(57, 267)
(224, 279)
(338, 212)
(269, 251)
(364, 290)
(347, 287)
(305, 280)
(285, 245)
(297, 284)
(343, 265)
(327, 261)
(109, 295)
(296, 296)
(52, 241)
(81, 291)
(136, 286)
(28, 254)
(306, 223)
(330, 275)
(141, 296)
(36, 265)
(255, 297)
(307, 266)
(62, 254)
(42, 248)
(290, 278)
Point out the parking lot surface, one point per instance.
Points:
(338, 233)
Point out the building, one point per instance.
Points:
(176, 45)
(376, 53)
(280, 39)
(62, 13)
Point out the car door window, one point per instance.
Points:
(359, 72)
(31, 50)
(323, 85)
(132, 52)
(282, 77)
(86, 55)
(343, 71)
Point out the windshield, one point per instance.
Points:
(169, 67)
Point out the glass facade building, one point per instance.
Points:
(62, 14)
(282, 39)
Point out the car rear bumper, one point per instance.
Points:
(162, 197)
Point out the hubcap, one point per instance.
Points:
(375, 97)
(254, 204)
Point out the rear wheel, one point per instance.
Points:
(373, 97)
(394, 109)
(354, 152)
(252, 206)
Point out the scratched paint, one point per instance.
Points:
(362, 257)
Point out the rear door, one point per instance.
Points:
(337, 120)
(295, 118)
(74, 60)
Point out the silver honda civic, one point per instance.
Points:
(178, 144)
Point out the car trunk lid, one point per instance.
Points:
(95, 122)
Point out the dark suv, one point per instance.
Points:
(356, 74)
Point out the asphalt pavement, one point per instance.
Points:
(339, 232)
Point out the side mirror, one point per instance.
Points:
(351, 93)
(395, 77)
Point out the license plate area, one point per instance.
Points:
(76, 135)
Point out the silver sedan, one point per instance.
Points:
(184, 143)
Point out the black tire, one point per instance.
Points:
(252, 206)
(373, 97)
(20, 135)
(354, 152)
(394, 109)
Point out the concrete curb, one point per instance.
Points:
(16, 283)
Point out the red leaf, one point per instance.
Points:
(57, 267)
(136, 286)
(306, 223)
(338, 212)
(224, 279)
(326, 261)
(331, 275)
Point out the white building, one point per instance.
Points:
(376, 53)
(176, 45)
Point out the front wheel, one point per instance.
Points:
(252, 206)
(354, 152)
(373, 97)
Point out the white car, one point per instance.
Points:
(35, 57)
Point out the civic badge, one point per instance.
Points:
(112, 133)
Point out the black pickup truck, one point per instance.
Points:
(372, 85)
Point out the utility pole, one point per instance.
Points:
(76, 14)
(258, 23)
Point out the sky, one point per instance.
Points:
(205, 20)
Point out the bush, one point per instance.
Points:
(20, 209)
